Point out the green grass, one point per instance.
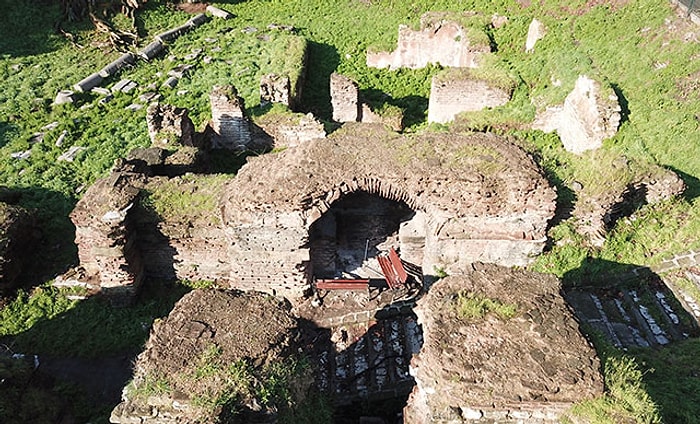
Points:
(626, 398)
(46, 322)
(474, 306)
(623, 47)
(220, 388)
(186, 197)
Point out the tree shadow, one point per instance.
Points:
(28, 27)
(50, 249)
(630, 311)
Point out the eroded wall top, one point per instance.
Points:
(446, 175)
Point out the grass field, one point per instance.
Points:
(642, 49)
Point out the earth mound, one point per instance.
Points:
(218, 355)
(502, 345)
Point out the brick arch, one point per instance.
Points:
(385, 216)
(323, 201)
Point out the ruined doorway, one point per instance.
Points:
(346, 240)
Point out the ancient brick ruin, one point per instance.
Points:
(349, 107)
(491, 204)
(440, 40)
(590, 114)
(229, 123)
(459, 91)
(290, 130)
(105, 237)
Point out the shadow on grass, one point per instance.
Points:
(624, 105)
(53, 252)
(414, 108)
(7, 132)
(692, 184)
(85, 354)
(323, 60)
(28, 27)
(635, 317)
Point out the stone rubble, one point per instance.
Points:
(61, 138)
(63, 97)
(219, 13)
(169, 126)
(275, 89)
(70, 154)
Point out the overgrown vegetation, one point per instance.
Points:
(626, 398)
(645, 59)
(47, 322)
(186, 198)
(225, 389)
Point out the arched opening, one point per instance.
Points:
(359, 227)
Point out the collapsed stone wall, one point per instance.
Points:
(597, 214)
(461, 92)
(439, 41)
(529, 367)
(590, 114)
(275, 89)
(169, 125)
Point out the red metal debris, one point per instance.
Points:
(334, 284)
